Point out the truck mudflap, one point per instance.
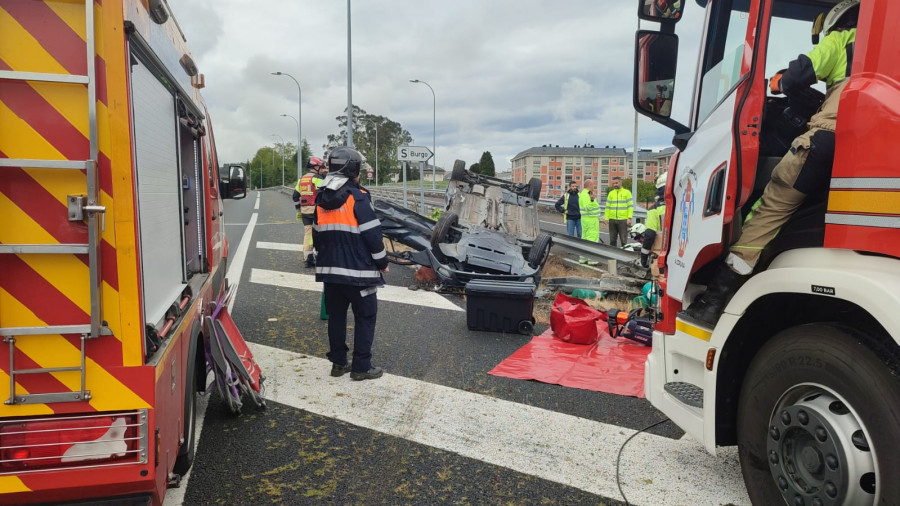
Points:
(236, 373)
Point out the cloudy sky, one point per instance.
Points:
(507, 74)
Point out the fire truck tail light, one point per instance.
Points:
(53, 442)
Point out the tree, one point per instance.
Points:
(391, 135)
(475, 167)
(486, 165)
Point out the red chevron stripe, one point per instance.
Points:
(51, 32)
(100, 72)
(32, 198)
(54, 308)
(30, 106)
(34, 383)
(51, 306)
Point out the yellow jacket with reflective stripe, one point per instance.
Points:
(619, 205)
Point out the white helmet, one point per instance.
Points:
(661, 180)
(826, 22)
(636, 230)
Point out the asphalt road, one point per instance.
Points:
(437, 428)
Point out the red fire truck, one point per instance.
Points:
(112, 250)
(802, 371)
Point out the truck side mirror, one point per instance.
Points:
(661, 11)
(233, 182)
(655, 62)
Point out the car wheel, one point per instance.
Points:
(459, 171)
(540, 250)
(534, 189)
(817, 421)
(441, 231)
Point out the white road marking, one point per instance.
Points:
(388, 293)
(281, 246)
(562, 448)
(256, 205)
(236, 266)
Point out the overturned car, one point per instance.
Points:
(489, 229)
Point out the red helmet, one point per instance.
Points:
(314, 161)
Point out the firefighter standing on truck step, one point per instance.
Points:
(305, 202)
(804, 170)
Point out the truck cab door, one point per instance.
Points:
(721, 146)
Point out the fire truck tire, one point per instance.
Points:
(186, 453)
(817, 418)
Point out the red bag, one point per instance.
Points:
(573, 321)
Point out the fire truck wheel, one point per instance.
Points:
(817, 420)
(186, 453)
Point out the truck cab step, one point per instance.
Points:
(688, 393)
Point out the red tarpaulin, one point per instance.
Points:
(609, 365)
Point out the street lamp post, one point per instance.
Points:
(433, 132)
(376, 149)
(299, 149)
(299, 121)
(282, 157)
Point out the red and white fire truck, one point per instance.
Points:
(801, 371)
(112, 249)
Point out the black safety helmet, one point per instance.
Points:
(345, 161)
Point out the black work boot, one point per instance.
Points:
(310, 262)
(708, 307)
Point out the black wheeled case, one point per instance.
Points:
(500, 306)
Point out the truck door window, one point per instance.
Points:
(789, 34)
(723, 54)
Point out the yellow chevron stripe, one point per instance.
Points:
(108, 392)
(23, 52)
(867, 202)
(11, 485)
(692, 330)
(21, 410)
(72, 14)
(19, 140)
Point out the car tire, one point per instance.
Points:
(459, 171)
(534, 189)
(441, 232)
(540, 250)
(818, 415)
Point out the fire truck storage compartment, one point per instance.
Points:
(169, 210)
(500, 306)
(192, 192)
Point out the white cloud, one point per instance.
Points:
(507, 74)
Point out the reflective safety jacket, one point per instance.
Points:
(655, 217)
(347, 236)
(619, 205)
(305, 193)
(572, 209)
(590, 216)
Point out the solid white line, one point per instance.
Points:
(387, 293)
(562, 448)
(237, 261)
(281, 246)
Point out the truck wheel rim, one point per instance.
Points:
(818, 451)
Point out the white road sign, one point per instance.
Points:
(414, 154)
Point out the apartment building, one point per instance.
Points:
(556, 166)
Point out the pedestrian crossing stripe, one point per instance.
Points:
(386, 293)
(562, 448)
